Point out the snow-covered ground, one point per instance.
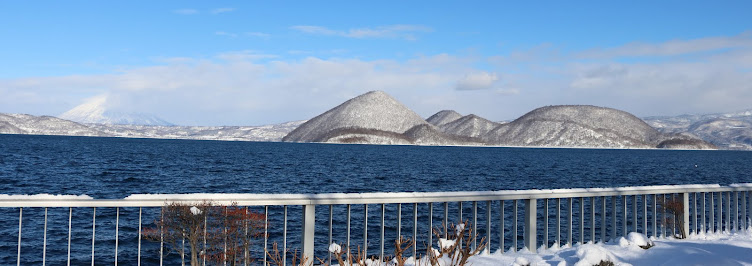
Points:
(704, 249)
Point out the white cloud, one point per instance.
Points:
(257, 34)
(185, 11)
(261, 35)
(673, 47)
(245, 55)
(477, 81)
(234, 89)
(406, 32)
(221, 10)
(254, 87)
(315, 30)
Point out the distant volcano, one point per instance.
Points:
(377, 118)
(95, 111)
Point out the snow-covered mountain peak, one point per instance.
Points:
(443, 117)
(374, 110)
(91, 111)
(95, 111)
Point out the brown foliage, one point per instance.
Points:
(217, 234)
(276, 258)
(675, 208)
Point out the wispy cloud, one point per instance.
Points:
(407, 32)
(477, 81)
(221, 10)
(245, 55)
(673, 47)
(258, 34)
(315, 30)
(186, 11)
(261, 35)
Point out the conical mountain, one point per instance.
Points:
(443, 117)
(95, 111)
(577, 126)
(373, 113)
(469, 126)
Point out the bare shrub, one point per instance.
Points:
(217, 234)
(457, 247)
(675, 208)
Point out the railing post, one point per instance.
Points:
(624, 215)
(734, 210)
(582, 220)
(685, 214)
(516, 230)
(614, 231)
(604, 223)
(744, 211)
(569, 236)
(703, 226)
(20, 222)
(309, 227)
(531, 214)
(719, 215)
(592, 219)
(745, 223)
(694, 213)
(711, 213)
(545, 223)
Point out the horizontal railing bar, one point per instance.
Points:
(158, 200)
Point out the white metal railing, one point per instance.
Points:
(727, 208)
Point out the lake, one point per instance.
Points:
(118, 167)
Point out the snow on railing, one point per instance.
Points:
(727, 208)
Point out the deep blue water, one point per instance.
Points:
(116, 167)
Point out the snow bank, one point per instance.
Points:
(593, 254)
(704, 249)
(639, 240)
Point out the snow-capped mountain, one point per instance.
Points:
(94, 111)
(443, 117)
(470, 125)
(237, 133)
(377, 118)
(725, 130)
(43, 125)
(373, 118)
(48, 125)
(587, 126)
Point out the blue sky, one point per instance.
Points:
(250, 63)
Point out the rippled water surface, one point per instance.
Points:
(115, 167)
